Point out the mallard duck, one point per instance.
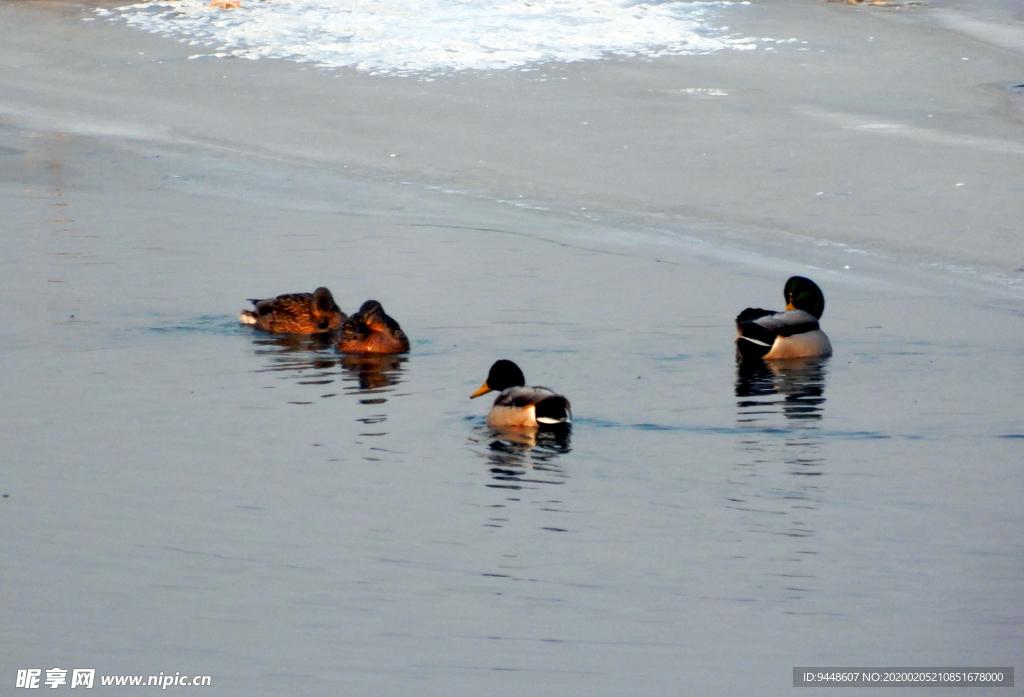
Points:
(793, 333)
(518, 405)
(372, 331)
(295, 313)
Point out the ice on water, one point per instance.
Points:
(439, 36)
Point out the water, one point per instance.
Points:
(185, 494)
(441, 36)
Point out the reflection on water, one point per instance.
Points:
(528, 457)
(306, 360)
(796, 389)
(372, 377)
(371, 374)
(313, 361)
(523, 460)
(775, 485)
(282, 344)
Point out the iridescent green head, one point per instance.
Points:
(804, 294)
(503, 374)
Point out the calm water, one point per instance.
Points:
(183, 494)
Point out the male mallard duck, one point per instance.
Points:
(372, 331)
(518, 405)
(793, 333)
(295, 313)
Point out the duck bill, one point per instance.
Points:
(789, 306)
(484, 389)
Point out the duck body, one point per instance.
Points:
(296, 313)
(788, 334)
(519, 406)
(792, 333)
(371, 330)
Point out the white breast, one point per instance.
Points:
(803, 345)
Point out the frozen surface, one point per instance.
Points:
(436, 36)
(182, 494)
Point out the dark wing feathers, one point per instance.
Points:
(554, 408)
(395, 330)
(519, 397)
(547, 403)
(759, 328)
(788, 323)
(802, 328)
(293, 304)
(752, 313)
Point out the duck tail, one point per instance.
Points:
(751, 348)
(553, 410)
(247, 317)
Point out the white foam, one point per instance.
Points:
(440, 36)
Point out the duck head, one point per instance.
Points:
(503, 375)
(371, 313)
(326, 312)
(323, 301)
(804, 294)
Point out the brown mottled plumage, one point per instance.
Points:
(372, 331)
(296, 313)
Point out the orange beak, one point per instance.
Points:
(483, 390)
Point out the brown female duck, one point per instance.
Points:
(372, 331)
(296, 313)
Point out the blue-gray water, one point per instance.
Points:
(183, 494)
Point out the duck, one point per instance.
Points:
(371, 330)
(296, 313)
(792, 333)
(519, 406)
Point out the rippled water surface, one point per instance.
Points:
(182, 493)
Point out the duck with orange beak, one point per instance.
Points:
(519, 406)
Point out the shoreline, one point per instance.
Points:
(767, 163)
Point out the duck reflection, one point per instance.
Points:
(372, 374)
(796, 390)
(775, 485)
(310, 358)
(800, 384)
(524, 457)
